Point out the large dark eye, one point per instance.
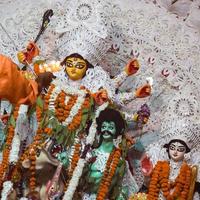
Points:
(103, 126)
(181, 149)
(80, 66)
(172, 147)
(69, 64)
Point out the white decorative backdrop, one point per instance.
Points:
(163, 35)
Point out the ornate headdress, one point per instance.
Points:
(84, 42)
(180, 130)
(188, 133)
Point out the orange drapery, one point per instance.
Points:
(14, 86)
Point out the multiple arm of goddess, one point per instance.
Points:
(75, 68)
(130, 69)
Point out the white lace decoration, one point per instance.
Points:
(129, 181)
(7, 188)
(119, 31)
(15, 147)
(89, 196)
(117, 141)
(101, 160)
(109, 32)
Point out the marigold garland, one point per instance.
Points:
(160, 181)
(30, 152)
(62, 111)
(5, 161)
(109, 172)
(64, 103)
(78, 117)
(74, 161)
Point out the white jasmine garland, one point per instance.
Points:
(76, 141)
(67, 88)
(7, 188)
(74, 180)
(80, 165)
(59, 86)
(15, 146)
(74, 110)
(67, 99)
(93, 128)
(53, 97)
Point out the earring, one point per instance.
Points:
(187, 156)
(117, 141)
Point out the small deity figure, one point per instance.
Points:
(173, 178)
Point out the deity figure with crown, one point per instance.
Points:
(170, 169)
(92, 85)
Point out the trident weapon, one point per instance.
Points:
(45, 22)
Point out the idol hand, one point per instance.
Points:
(132, 67)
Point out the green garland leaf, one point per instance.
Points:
(12, 121)
(39, 102)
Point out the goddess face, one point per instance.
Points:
(75, 68)
(108, 129)
(177, 151)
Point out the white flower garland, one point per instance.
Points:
(59, 85)
(53, 96)
(80, 165)
(7, 188)
(74, 180)
(15, 146)
(74, 110)
(76, 141)
(67, 98)
(14, 152)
